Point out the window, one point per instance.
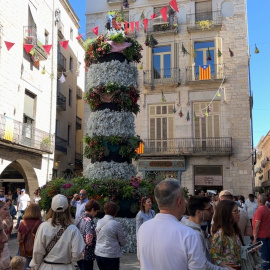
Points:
(69, 135)
(46, 34)
(71, 33)
(162, 62)
(70, 97)
(71, 64)
(203, 11)
(57, 128)
(206, 126)
(28, 117)
(161, 132)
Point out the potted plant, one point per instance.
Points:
(45, 144)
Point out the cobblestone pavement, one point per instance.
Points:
(127, 262)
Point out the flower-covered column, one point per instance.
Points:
(111, 142)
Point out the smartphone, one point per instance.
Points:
(256, 245)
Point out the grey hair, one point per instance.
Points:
(167, 191)
(263, 198)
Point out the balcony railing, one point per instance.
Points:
(161, 76)
(196, 21)
(60, 144)
(61, 62)
(61, 101)
(78, 159)
(206, 72)
(189, 146)
(79, 93)
(20, 134)
(78, 122)
(157, 25)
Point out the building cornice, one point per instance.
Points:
(70, 11)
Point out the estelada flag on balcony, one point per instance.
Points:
(205, 72)
(28, 47)
(47, 48)
(173, 4)
(163, 13)
(140, 149)
(9, 45)
(9, 128)
(64, 44)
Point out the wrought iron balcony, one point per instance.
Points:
(158, 26)
(61, 62)
(161, 76)
(204, 20)
(21, 135)
(60, 28)
(60, 144)
(79, 93)
(189, 146)
(78, 122)
(118, 1)
(61, 101)
(78, 159)
(203, 73)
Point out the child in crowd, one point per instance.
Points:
(17, 263)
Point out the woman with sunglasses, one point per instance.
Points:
(145, 213)
(226, 241)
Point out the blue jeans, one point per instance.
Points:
(265, 252)
(27, 262)
(20, 215)
(85, 265)
(108, 263)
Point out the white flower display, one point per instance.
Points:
(110, 170)
(114, 71)
(109, 123)
(113, 32)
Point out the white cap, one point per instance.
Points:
(59, 203)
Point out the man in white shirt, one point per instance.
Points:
(22, 203)
(165, 243)
(251, 206)
(79, 201)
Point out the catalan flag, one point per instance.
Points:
(205, 72)
(140, 149)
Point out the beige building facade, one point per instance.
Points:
(28, 91)
(195, 97)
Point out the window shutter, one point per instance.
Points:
(29, 103)
(152, 110)
(158, 109)
(170, 109)
(152, 128)
(201, 7)
(210, 126)
(170, 127)
(176, 55)
(164, 109)
(216, 126)
(216, 107)
(158, 128)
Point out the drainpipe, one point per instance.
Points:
(52, 83)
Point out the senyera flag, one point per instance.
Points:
(205, 72)
(140, 149)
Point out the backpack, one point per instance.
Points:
(26, 243)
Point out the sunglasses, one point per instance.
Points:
(82, 194)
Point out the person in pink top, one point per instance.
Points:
(261, 228)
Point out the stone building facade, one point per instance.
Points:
(28, 90)
(195, 96)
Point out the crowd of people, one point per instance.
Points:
(201, 232)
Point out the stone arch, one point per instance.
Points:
(25, 168)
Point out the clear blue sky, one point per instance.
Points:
(259, 33)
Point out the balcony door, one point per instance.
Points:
(203, 11)
(161, 128)
(162, 62)
(206, 128)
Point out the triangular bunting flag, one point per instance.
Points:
(32, 52)
(62, 79)
(43, 71)
(153, 16)
(80, 36)
(132, 26)
(145, 23)
(47, 48)
(64, 44)
(95, 30)
(137, 25)
(173, 4)
(9, 45)
(256, 50)
(231, 53)
(163, 13)
(126, 25)
(28, 47)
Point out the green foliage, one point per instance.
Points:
(100, 146)
(133, 53)
(118, 38)
(120, 16)
(125, 97)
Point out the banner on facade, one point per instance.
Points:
(9, 128)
